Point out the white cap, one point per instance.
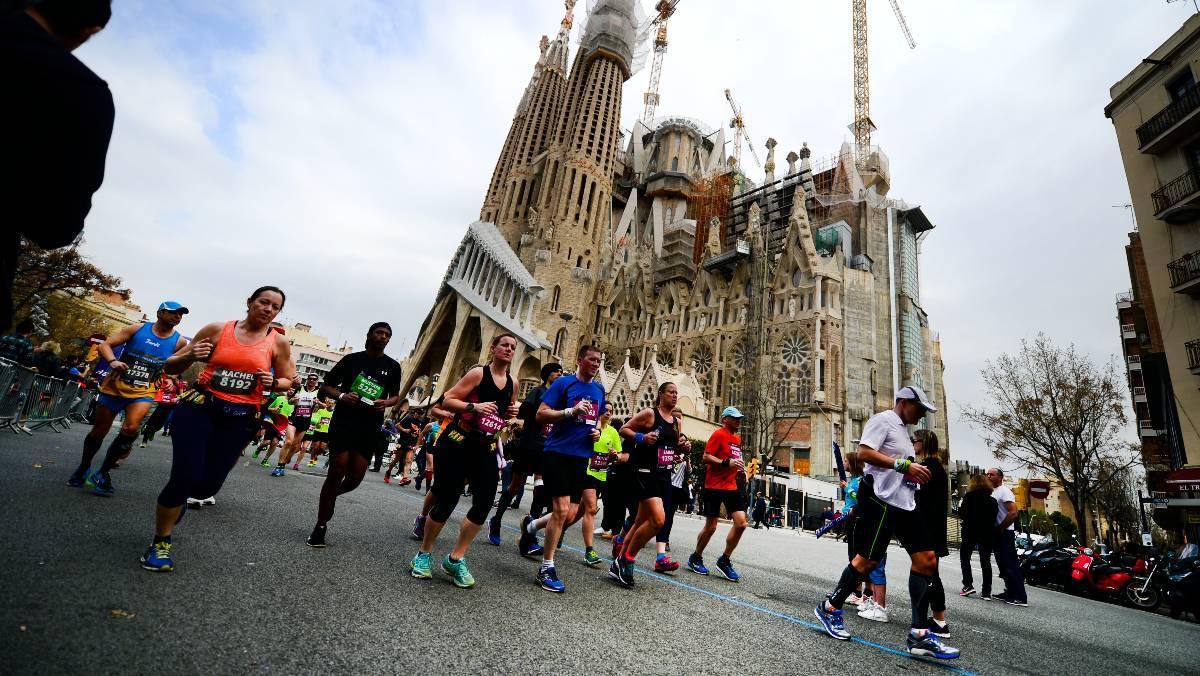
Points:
(914, 392)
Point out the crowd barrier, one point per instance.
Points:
(31, 401)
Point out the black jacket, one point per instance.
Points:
(978, 512)
(932, 500)
(56, 123)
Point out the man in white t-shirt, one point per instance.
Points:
(886, 508)
(1005, 546)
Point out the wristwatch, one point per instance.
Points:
(470, 406)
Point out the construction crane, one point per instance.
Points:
(738, 124)
(665, 9)
(862, 125)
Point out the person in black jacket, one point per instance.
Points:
(978, 514)
(932, 502)
(56, 128)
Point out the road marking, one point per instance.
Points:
(757, 608)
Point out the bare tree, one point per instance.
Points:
(1054, 411)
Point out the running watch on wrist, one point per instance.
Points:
(470, 406)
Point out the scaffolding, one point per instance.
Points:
(709, 199)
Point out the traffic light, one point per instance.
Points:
(752, 468)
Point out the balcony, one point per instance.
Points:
(1185, 274)
(1139, 395)
(1128, 331)
(1193, 355)
(1124, 300)
(1134, 361)
(1146, 429)
(1170, 124)
(1178, 201)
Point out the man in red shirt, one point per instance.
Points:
(723, 462)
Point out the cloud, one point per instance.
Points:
(339, 150)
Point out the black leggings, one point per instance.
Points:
(205, 445)
(472, 462)
(156, 421)
(668, 498)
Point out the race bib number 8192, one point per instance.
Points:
(232, 382)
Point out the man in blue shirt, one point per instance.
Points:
(572, 405)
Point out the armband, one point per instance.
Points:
(725, 462)
(639, 437)
(902, 465)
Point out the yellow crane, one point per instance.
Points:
(665, 9)
(862, 124)
(738, 124)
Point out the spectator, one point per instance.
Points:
(56, 140)
(17, 347)
(759, 512)
(46, 359)
(978, 513)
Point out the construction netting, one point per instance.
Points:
(620, 26)
(709, 199)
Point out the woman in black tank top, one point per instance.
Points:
(655, 434)
(466, 454)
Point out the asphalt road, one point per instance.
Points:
(249, 596)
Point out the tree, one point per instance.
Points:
(71, 322)
(1055, 412)
(1117, 502)
(41, 272)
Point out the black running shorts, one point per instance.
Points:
(876, 523)
(712, 499)
(564, 475)
(301, 424)
(363, 441)
(527, 462)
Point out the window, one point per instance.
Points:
(560, 341)
(1181, 85)
(674, 164)
(554, 296)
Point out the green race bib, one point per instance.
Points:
(366, 387)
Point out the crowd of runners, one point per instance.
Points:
(561, 435)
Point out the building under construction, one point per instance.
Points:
(794, 295)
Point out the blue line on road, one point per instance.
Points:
(757, 608)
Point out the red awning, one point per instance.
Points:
(1186, 479)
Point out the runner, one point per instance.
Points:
(169, 389)
(466, 453)
(215, 419)
(675, 477)
(364, 384)
(130, 387)
(275, 426)
(605, 452)
(886, 508)
(723, 463)
(655, 435)
(429, 434)
(932, 500)
(527, 460)
(441, 417)
(306, 400)
(408, 432)
(573, 405)
(321, 419)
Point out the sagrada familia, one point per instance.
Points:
(796, 299)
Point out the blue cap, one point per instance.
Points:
(172, 306)
(731, 412)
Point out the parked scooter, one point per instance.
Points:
(1049, 564)
(1182, 589)
(1120, 583)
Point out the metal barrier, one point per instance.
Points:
(31, 401)
(79, 412)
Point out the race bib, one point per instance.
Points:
(303, 411)
(168, 398)
(233, 382)
(666, 457)
(735, 452)
(139, 374)
(599, 462)
(489, 424)
(592, 415)
(366, 388)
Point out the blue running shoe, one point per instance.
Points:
(494, 531)
(832, 621)
(278, 471)
(457, 570)
(725, 568)
(548, 578)
(696, 564)
(528, 545)
(157, 558)
(418, 531)
(100, 483)
(420, 567)
(621, 571)
(79, 476)
(929, 645)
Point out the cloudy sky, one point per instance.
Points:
(340, 149)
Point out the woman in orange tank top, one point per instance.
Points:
(214, 421)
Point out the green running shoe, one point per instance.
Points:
(420, 566)
(591, 558)
(457, 570)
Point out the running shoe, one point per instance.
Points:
(295, 466)
(937, 628)
(725, 568)
(831, 619)
(967, 591)
(528, 545)
(494, 531)
(143, 445)
(622, 572)
(100, 483)
(616, 547)
(256, 452)
(405, 481)
(457, 570)
(1022, 603)
(591, 558)
(313, 463)
(78, 477)
(387, 478)
(548, 578)
(696, 564)
(986, 596)
(266, 462)
(419, 566)
(854, 599)
(418, 531)
(278, 471)
(195, 503)
(157, 558)
(665, 565)
(928, 645)
(317, 539)
(875, 613)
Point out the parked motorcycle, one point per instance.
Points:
(1048, 564)
(1183, 583)
(1129, 584)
